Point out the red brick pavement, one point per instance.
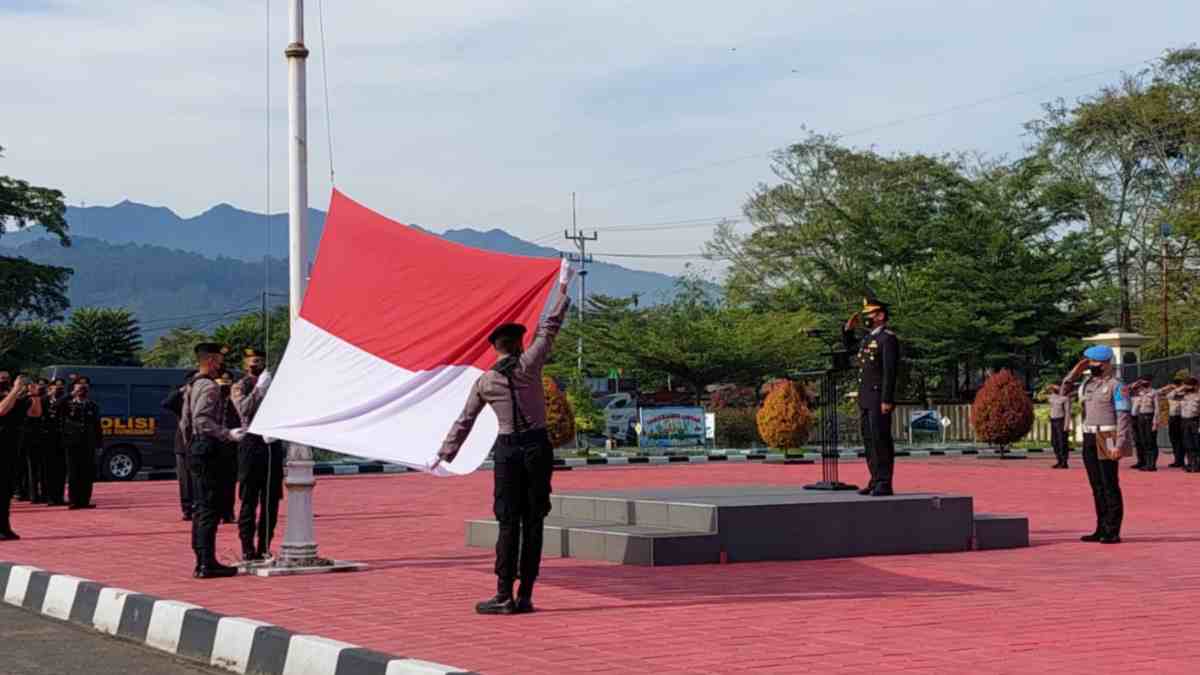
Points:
(1059, 606)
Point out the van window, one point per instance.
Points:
(146, 400)
(113, 399)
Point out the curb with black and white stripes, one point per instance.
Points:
(569, 463)
(192, 632)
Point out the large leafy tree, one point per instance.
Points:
(175, 349)
(102, 337)
(28, 291)
(250, 331)
(697, 340)
(976, 259)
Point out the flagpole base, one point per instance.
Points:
(298, 552)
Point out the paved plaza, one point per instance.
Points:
(1058, 606)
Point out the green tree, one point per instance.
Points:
(696, 339)
(31, 346)
(175, 349)
(101, 337)
(249, 331)
(29, 291)
(975, 258)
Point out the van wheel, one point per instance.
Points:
(120, 463)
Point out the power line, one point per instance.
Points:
(661, 256)
(325, 86)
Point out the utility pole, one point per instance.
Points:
(1166, 325)
(581, 241)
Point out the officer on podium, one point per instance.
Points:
(878, 359)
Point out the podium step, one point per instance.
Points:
(611, 542)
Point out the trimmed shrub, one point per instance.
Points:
(1002, 412)
(784, 418)
(737, 427)
(560, 418)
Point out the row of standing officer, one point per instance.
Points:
(48, 439)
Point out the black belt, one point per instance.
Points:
(520, 437)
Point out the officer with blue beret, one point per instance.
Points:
(1107, 436)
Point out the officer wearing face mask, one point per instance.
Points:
(878, 358)
(260, 463)
(1107, 436)
(81, 438)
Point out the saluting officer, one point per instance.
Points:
(523, 455)
(1189, 408)
(878, 357)
(1145, 409)
(1107, 436)
(82, 437)
(260, 464)
(55, 473)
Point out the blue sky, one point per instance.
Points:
(489, 113)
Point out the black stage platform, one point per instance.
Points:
(692, 525)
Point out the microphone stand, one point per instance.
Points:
(839, 360)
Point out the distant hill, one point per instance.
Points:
(201, 271)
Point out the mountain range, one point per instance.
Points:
(204, 270)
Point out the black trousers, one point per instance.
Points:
(1058, 439)
(206, 485)
(6, 486)
(260, 485)
(1175, 431)
(1149, 439)
(1191, 441)
(81, 465)
(54, 469)
(184, 475)
(878, 443)
(19, 471)
(227, 494)
(1106, 488)
(35, 465)
(524, 463)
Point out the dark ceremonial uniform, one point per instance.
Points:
(174, 405)
(229, 459)
(206, 435)
(54, 455)
(34, 450)
(878, 359)
(260, 476)
(10, 425)
(523, 455)
(81, 437)
(1060, 413)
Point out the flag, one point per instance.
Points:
(391, 337)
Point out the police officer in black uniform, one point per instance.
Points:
(878, 357)
(260, 464)
(205, 433)
(82, 437)
(54, 458)
(173, 404)
(14, 404)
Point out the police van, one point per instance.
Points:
(138, 432)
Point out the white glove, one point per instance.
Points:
(264, 380)
(237, 434)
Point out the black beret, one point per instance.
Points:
(506, 330)
(206, 348)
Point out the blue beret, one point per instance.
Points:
(1099, 353)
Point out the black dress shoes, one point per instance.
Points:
(498, 605)
(1095, 536)
(215, 570)
(882, 490)
(524, 606)
(1110, 539)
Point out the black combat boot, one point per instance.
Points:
(502, 603)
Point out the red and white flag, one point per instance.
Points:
(391, 337)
